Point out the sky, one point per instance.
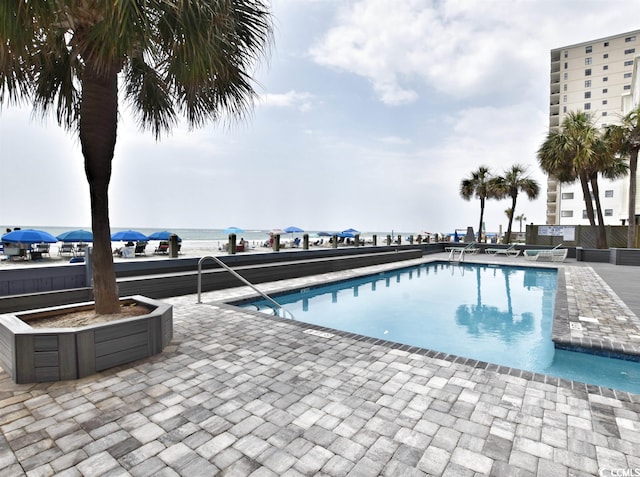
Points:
(369, 115)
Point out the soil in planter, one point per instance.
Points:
(87, 317)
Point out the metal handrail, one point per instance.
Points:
(239, 277)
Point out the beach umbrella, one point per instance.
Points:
(233, 230)
(276, 231)
(346, 235)
(293, 230)
(162, 235)
(29, 236)
(129, 236)
(351, 231)
(325, 234)
(79, 235)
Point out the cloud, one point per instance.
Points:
(291, 99)
(459, 48)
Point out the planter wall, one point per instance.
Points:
(56, 354)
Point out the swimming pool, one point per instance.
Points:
(497, 314)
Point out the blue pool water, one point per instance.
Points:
(497, 314)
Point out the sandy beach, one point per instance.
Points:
(188, 249)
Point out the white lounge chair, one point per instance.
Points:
(470, 249)
(510, 251)
(555, 254)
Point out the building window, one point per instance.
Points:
(566, 213)
(604, 113)
(588, 49)
(566, 76)
(606, 43)
(628, 63)
(566, 53)
(605, 78)
(630, 38)
(587, 72)
(608, 212)
(587, 60)
(605, 56)
(587, 83)
(584, 214)
(566, 65)
(587, 106)
(629, 51)
(627, 87)
(587, 94)
(605, 91)
(564, 98)
(564, 109)
(627, 75)
(605, 67)
(608, 193)
(567, 195)
(565, 87)
(604, 101)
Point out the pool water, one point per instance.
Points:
(497, 314)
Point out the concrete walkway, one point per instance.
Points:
(237, 394)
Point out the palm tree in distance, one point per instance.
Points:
(520, 218)
(480, 184)
(511, 184)
(68, 57)
(625, 140)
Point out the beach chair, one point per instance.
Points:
(66, 249)
(510, 251)
(140, 247)
(162, 248)
(555, 254)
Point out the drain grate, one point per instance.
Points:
(322, 334)
(575, 326)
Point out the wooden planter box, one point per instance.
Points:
(30, 354)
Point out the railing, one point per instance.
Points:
(243, 280)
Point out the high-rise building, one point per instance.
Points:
(595, 77)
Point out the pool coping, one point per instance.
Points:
(560, 330)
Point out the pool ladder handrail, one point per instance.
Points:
(243, 280)
(452, 254)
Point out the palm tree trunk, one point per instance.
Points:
(588, 203)
(481, 219)
(601, 240)
(98, 124)
(513, 210)
(633, 167)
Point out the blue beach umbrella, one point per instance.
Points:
(79, 235)
(129, 236)
(162, 235)
(346, 235)
(350, 231)
(29, 236)
(293, 230)
(233, 230)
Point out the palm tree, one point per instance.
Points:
(520, 218)
(511, 184)
(570, 155)
(188, 58)
(480, 184)
(625, 140)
